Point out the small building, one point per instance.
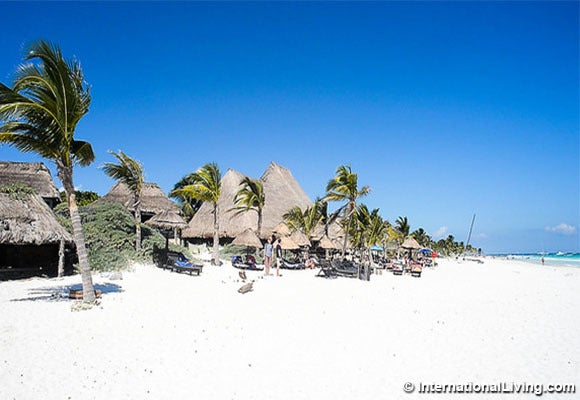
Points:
(32, 242)
(32, 174)
(153, 200)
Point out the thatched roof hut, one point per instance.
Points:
(231, 224)
(281, 190)
(282, 193)
(32, 174)
(153, 200)
(32, 241)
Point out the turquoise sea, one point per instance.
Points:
(559, 259)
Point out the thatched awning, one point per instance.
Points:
(288, 244)
(327, 244)
(248, 238)
(27, 219)
(300, 238)
(35, 175)
(167, 219)
(282, 193)
(153, 200)
(411, 243)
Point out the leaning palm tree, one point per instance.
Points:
(39, 114)
(129, 172)
(250, 196)
(344, 187)
(206, 186)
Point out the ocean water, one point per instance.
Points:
(559, 259)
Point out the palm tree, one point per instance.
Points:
(206, 186)
(250, 196)
(422, 237)
(344, 187)
(39, 114)
(402, 225)
(129, 172)
(189, 206)
(304, 221)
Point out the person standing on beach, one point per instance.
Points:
(278, 255)
(267, 256)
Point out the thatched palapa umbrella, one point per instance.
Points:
(300, 239)
(282, 229)
(287, 243)
(165, 221)
(411, 244)
(248, 238)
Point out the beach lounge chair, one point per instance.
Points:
(345, 268)
(288, 264)
(416, 270)
(326, 270)
(398, 268)
(238, 262)
(179, 263)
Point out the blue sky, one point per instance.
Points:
(445, 109)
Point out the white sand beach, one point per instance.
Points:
(161, 335)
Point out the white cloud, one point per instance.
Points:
(441, 232)
(562, 229)
(481, 236)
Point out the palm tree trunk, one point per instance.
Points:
(65, 175)
(61, 258)
(216, 238)
(137, 223)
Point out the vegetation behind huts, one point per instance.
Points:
(110, 236)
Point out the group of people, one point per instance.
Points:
(269, 249)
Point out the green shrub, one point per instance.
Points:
(109, 231)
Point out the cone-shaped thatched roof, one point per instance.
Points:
(335, 231)
(326, 243)
(34, 175)
(167, 219)
(231, 224)
(300, 238)
(288, 244)
(248, 238)
(153, 200)
(282, 193)
(281, 190)
(411, 243)
(27, 219)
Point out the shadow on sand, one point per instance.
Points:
(60, 293)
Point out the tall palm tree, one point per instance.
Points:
(371, 229)
(422, 237)
(129, 172)
(402, 225)
(39, 114)
(250, 196)
(189, 206)
(344, 187)
(206, 186)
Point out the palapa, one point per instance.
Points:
(327, 244)
(34, 175)
(282, 229)
(411, 243)
(300, 238)
(282, 192)
(248, 238)
(153, 200)
(167, 220)
(28, 220)
(288, 244)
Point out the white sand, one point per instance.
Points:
(163, 335)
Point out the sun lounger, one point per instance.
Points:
(398, 268)
(345, 268)
(177, 262)
(416, 270)
(326, 270)
(292, 264)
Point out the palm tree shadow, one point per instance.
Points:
(61, 293)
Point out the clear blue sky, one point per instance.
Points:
(444, 109)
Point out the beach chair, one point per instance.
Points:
(238, 262)
(398, 268)
(326, 270)
(288, 264)
(179, 263)
(345, 268)
(416, 270)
